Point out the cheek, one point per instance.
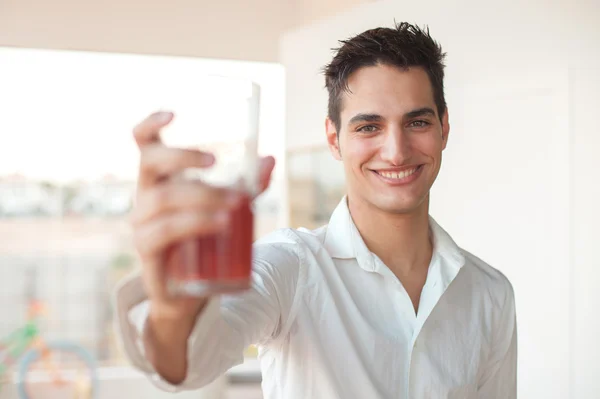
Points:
(358, 152)
(430, 146)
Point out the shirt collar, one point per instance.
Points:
(343, 241)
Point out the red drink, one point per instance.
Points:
(221, 263)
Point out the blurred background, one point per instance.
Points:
(520, 185)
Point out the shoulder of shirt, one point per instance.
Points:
(292, 237)
(489, 278)
(284, 254)
(288, 242)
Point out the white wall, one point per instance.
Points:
(308, 11)
(227, 29)
(537, 64)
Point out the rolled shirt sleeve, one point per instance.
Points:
(226, 326)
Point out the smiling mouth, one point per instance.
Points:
(399, 176)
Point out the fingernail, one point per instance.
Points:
(207, 158)
(163, 116)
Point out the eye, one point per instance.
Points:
(419, 123)
(367, 129)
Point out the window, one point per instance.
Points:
(68, 165)
(313, 195)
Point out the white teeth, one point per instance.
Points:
(398, 175)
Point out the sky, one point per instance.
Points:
(69, 115)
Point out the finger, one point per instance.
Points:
(148, 130)
(154, 278)
(267, 164)
(156, 236)
(158, 162)
(182, 196)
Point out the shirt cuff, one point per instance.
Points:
(132, 306)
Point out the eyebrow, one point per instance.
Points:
(365, 118)
(358, 118)
(420, 112)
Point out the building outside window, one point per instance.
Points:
(68, 165)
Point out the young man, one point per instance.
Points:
(380, 303)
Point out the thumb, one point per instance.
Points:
(267, 164)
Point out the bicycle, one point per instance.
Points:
(32, 353)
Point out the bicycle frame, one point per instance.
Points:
(16, 344)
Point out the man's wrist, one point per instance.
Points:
(168, 323)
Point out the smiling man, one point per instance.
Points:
(379, 303)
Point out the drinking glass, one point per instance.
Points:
(222, 120)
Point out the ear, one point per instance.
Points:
(333, 139)
(445, 129)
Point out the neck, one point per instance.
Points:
(401, 241)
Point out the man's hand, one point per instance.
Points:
(167, 211)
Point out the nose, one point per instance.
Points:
(396, 147)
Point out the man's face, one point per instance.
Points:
(390, 139)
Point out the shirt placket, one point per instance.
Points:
(426, 304)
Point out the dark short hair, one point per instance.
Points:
(403, 46)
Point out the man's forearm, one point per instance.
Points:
(166, 345)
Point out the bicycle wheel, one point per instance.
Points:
(71, 362)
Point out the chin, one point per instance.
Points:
(393, 205)
(398, 206)
(394, 200)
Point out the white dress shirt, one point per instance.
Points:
(332, 321)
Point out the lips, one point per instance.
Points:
(399, 176)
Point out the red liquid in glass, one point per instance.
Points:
(215, 264)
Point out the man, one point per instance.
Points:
(380, 303)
